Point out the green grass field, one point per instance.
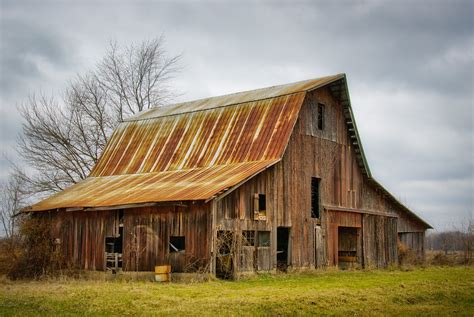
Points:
(428, 291)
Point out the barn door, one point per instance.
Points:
(283, 236)
(348, 247)
(225, 254)
(318, 248)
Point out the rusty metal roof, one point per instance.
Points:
(246, 132)
(192, 150)
(177, 185)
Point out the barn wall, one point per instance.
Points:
(414, 241)
(82, 236)
(328, 155)
(380, 240)
(408, 224)
(146, 234)
(411, 233)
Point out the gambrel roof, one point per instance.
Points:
(199, 149)
(190, 151)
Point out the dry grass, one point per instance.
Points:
(423, 291)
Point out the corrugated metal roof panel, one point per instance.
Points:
(178, 185)
(247, 132)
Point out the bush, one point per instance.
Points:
(407, 256)
(8, 255)
(441, 258)
(37, 254)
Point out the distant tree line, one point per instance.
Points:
(455, 241)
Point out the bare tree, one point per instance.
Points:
(63, 137)
(12, 200)
(137, 76)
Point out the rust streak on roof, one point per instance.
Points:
(221, 136)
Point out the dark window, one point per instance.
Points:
(120, 216)
(260, 207)
(315, 199)
(321, 116)
(262, 203)
(264, 238)
(248, 238)
(177, 244)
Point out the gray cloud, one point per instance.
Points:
(27, 51)
(409, 65)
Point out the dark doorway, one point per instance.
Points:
(114, 244)
(283, 236)
(225, 255)
(114, 250)
(347, 247)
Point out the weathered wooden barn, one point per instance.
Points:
(252, 181)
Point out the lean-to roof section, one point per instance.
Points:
(178, 185)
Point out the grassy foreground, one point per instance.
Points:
(430, 291)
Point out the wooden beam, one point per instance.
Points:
(359, 211)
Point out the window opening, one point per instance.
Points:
(248, 238)
(264, 238)
(315, 197)
(177, 244)
(321, 116)
(260, 207)
(121, 218)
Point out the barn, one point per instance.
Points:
(269, 179)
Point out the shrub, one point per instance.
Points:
(441, 258)
(8, 255)
(407, 256)
(37, 254)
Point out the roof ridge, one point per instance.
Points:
(299, 87)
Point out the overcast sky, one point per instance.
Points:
(409, 64)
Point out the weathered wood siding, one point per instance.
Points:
(82, 236)
(411, 233)
(414, 241)
(380, 241)
(146, 233)
(328, 155)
